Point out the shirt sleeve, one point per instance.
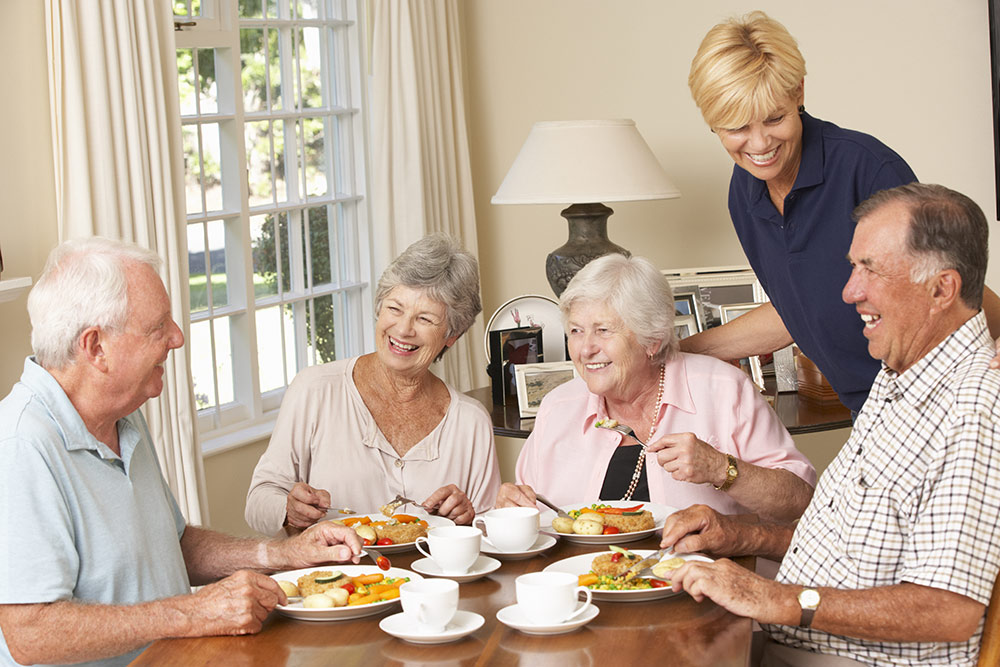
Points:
(484, 469)
(38, 560)
(955, 538)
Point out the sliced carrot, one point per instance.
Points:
(404, 518)
(366, 599)
(380, 588)
(390, 594)
(585, 579)
(422, 523)
(353, 596)
(366, 579)
(363, 520)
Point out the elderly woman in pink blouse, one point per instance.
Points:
(712, 437)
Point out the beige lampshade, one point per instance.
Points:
(566, 162)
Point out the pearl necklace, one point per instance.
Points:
(642, 449)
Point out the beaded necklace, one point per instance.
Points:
(642, 449)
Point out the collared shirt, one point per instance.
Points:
(912, 497)
(326, 437)
(566, 457)
(77, 521)
(799, 257)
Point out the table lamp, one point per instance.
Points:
(588, 161)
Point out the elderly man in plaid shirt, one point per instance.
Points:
(894, 560)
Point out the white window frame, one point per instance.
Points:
(251, 415)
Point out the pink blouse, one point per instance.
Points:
(566, 456)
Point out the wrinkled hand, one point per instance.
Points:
(305, 505)
(515, 495)
(736, 588)
(689, 459)
(701, 528)
(324, 542)
(236, 605)
(451, 503)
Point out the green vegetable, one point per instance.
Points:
(336, 574)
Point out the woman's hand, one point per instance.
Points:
(305, 505)
(515, 495)
(689, 459)
(451, 503)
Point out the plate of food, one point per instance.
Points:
(602, 572)
(396, 533)
(341, 592)
(606, 521)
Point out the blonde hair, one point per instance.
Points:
(744, 68)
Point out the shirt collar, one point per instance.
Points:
(931, 369)
(810, 166)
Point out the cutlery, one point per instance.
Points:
(380, 560)
(548, 503)
(613, 425)
(332, 512)
(645, 565)
(395, 504)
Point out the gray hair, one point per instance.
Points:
(636, 291)
(947, 231)
(437, 265)
(84, 284)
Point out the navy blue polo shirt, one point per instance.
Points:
(800, 258)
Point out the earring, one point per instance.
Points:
(802, 109)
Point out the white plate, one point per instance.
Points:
(464, 623)
(660, 514)
(543, 311)
(296, 610)
(513, 617)
(581, 565)
(432, 520)
(541, 544)
(483, 566)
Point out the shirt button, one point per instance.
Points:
(399, 463)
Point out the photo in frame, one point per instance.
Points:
(714, 287)
(534, 381)
(684, 326)
(686, 305)
(508, 347)
(750, 365)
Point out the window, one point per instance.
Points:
(273, 123)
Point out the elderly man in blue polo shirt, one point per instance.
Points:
(96, 559)
(894, 560)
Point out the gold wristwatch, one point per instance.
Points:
(732, 472)
(809, 600)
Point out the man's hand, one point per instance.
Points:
(452, 503)
(515, 495)
(738, 590)
(689, 459)
(324, 542)
(236, 605)
(305, 505)
(700, 528)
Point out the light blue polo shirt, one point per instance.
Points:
(76, 520)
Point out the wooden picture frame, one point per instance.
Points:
(534, 381)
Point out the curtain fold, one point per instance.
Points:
(422, 179)
(120, 174)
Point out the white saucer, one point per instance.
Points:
(483, 566)
(515, 618)
(541, 544)
(464, 623)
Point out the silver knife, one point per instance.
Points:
(646, 563)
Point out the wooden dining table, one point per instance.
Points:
(671, 631)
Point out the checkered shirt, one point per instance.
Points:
(914, 496)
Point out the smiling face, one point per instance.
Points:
(606, 354)
(769, 148)
(895, 311)
(135, 356)
(411, 330)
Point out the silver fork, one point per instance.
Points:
(621, 428)
(390, 507)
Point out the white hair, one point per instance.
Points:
(84, 284)
(634, 289)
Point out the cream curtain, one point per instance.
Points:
(120, 174)
(422, 180)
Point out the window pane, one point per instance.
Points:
(274, 68)
(206, 81)
(211, 166)
(336, 129)
(309, 9)
(259, 162)
(217, 263)
(192, 169)
(265, 261)
(314, 160)
(252, 62)
(201, 347)
(278, 139)
(197, 280)
(319, 245)
(185, 81)
(251, 9)
(310, 68)
(321, 330)
(270, 360)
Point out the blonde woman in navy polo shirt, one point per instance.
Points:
(796, 182)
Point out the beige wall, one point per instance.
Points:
(914, 73)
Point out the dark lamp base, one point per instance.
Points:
(588, 240)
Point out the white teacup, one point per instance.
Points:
(452, 548)
(550, 598)
(429, 604)
(509, 528)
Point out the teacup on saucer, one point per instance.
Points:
(483, 566)
(462, 624)
(514, 617)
